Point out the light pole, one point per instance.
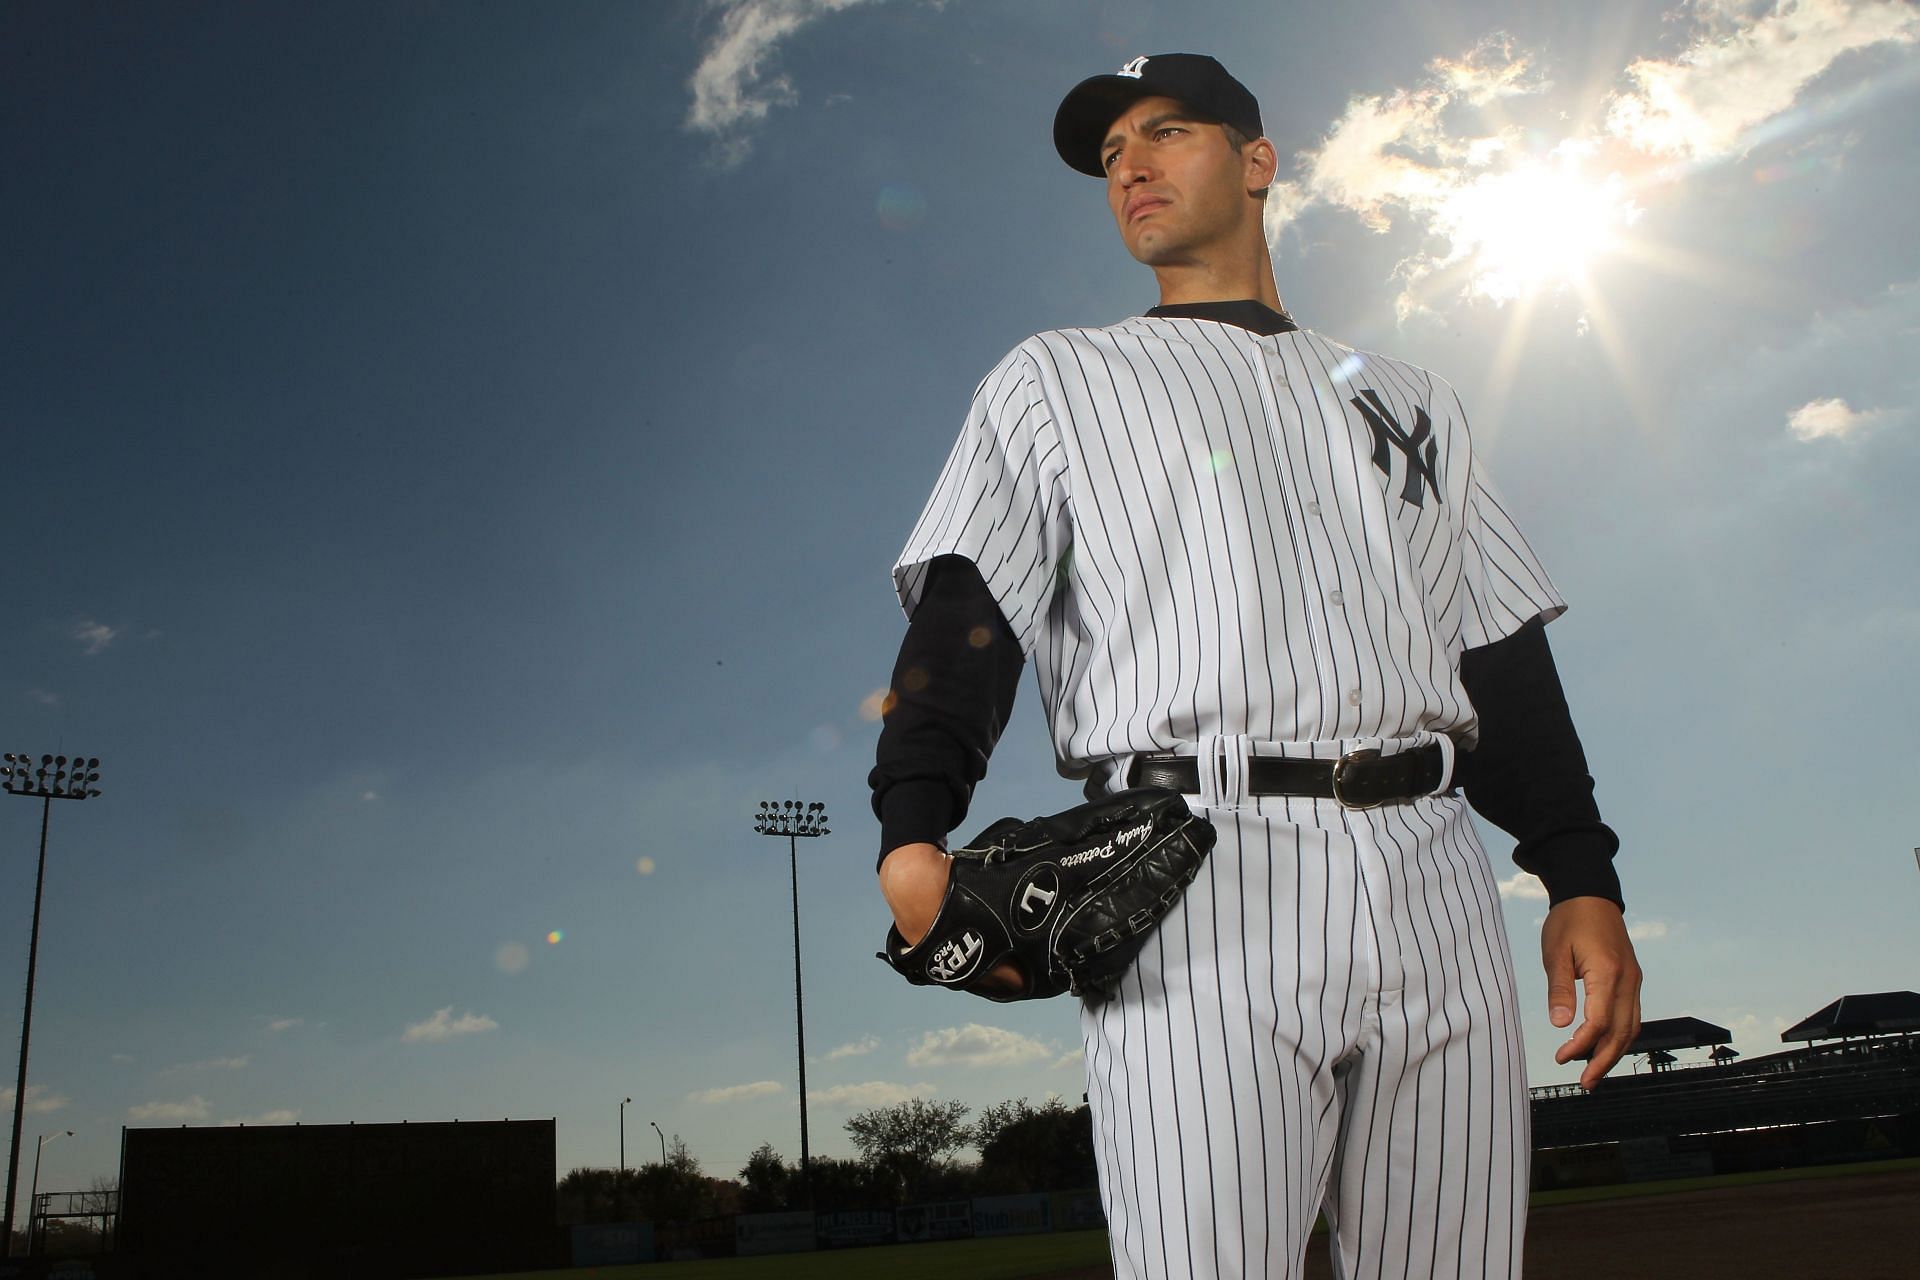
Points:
(623, 1133)
(663, 1145)
(52, 780)
(34, 1194)
(793, 820)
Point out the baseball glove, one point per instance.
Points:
(1068, 899)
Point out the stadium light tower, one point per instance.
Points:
(792, 819)
(56, 778)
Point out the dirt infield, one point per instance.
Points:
(1860, 1226)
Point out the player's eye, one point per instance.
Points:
(1164, 130)
(1107, 164)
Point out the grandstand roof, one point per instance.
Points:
(1879, 1014)
(1677, 1033)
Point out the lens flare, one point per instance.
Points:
(512, 957)
(644, 866)
(900, 207)
(555, 938)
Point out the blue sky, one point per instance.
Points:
(454, 454)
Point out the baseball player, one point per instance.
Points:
(1268, 571)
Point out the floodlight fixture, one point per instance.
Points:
(55, 777)
(796, 820)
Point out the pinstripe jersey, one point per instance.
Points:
(1197, 530)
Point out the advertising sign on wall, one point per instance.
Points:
(1012, 1215)
(855, 1227)
(950, 1220)
(773, 1232)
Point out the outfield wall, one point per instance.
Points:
(750, 1234)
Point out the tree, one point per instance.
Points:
(910, 1145)
(673, 1191)
(766, 1182)
(1029, 1148)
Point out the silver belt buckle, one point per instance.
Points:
(1340, 775)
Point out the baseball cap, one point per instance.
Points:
(1080, 126)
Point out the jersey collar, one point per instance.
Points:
(1245, 314)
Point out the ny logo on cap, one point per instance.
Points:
(1136, 68)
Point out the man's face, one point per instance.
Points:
(1176, 186)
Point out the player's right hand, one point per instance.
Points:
(913, 879)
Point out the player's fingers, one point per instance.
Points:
(1559, 963)
(1599, 1021)
(1626, 1026)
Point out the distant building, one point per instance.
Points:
(312, 1202)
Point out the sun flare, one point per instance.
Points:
(1537, 225)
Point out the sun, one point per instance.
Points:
(1537, 225)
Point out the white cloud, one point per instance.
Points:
(194, 1108)
(858, 1048)
(1644, 930)
(1828, 419)
(214, 1064)
(94, 636)
(734, 87)
(1071, 1058)
(277, 1025)
(444, 1026)
(1759, 1030)
(976, 1046)
(737, 1092)
(1502, 209)
(873, 1093)
(1744, 70)
(39, 1101)
(282, 1116)
(1523, 885)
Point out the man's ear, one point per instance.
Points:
(1262, 164)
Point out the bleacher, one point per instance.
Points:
(1799, 1086)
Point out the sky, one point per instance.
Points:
(454, 454)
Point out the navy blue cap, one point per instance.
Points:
(1193, 79)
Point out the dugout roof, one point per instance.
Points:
(1677, 1033)
(1881, 1013)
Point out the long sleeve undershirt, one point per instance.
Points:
(960, 664)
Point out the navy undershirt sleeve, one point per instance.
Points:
(1528, 775)
(952, 693)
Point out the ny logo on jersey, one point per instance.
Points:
(1388, 432)
(1135, 69)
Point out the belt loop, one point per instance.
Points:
(1447, 750)
(1236, 779)
(1207, 764)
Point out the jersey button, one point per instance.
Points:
(1334, 597)
(1313, 508)
(1353, 697)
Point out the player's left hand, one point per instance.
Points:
(1586, 938)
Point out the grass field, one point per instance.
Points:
(1012, 1258)
(1027, 1257)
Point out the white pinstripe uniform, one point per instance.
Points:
(1206, 543)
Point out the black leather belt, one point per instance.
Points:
(1358, 780)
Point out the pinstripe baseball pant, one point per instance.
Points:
(1327, 1019)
